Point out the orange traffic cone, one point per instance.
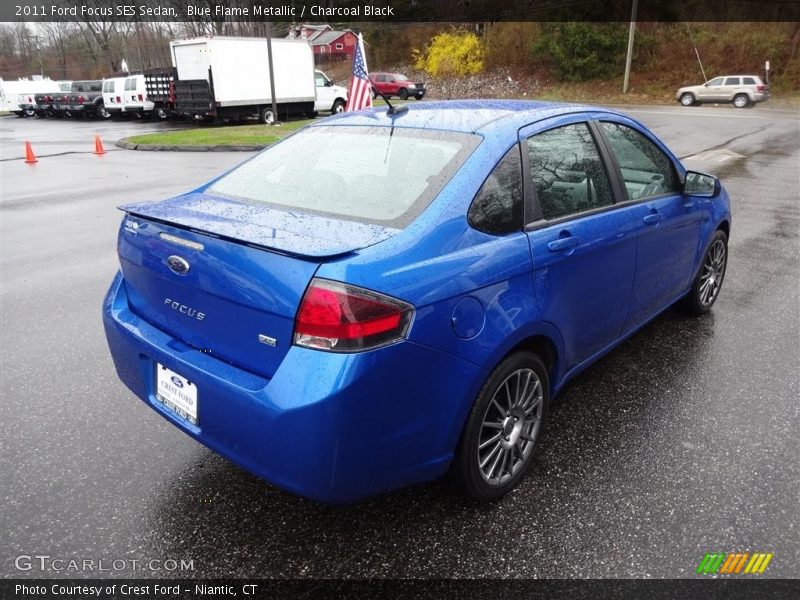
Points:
(30, 157)
(98, 145)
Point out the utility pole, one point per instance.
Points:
(35, 39)
(268, 33)
(630, 47)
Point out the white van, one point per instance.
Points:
(113, 92)
(134, 99)
(330, 97)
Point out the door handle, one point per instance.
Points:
(653, 218)
(563, 243)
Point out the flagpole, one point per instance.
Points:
(268, 33)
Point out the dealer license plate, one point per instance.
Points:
(176, 393)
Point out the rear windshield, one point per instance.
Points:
(366, 174)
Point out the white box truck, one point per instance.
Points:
(228, 78)
(19, 96)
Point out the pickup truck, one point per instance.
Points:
(86, 99)
(44, 101)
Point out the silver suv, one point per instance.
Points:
(742, 90)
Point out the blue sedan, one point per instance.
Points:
(386, 296)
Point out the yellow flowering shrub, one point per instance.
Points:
(451, 53)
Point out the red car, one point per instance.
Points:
(395, 84)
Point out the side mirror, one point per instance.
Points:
(328, 83)
(700, 184)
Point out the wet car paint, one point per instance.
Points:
(680, 441)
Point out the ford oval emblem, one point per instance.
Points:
(178, 265)
(176, 381)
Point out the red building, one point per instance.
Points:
(328, 43)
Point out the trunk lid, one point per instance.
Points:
(225, 277)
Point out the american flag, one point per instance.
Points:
(360, 90)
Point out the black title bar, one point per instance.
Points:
(440, 589)
(397, 11)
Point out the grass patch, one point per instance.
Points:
(234, 135)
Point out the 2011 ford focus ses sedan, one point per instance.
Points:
(388, 295)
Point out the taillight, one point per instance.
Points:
(48, 99)
(760, 88)
(119, 100)
(338, 317)
(141, 98)
(80, 99)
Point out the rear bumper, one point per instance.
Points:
(332, 427)
(113, 110)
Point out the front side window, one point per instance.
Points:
(373, 175)
(566, 171)
(717, 81)
(497, 208)
(732, 81)
(319, 79)
(646, 170)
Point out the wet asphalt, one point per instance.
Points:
(682, 441)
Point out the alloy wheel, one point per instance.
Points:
(713, 273)
(510, 427)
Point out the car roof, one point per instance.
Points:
(468, 116)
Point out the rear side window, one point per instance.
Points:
(375, 175)
(646, 170)
(95, 87)
(748, 81)
(497, 208)
(732, 81)
(567, 172)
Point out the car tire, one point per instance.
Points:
(708, 281)
(162, 114)
(266, 116)
(687, 99)
(741, 101)
(29, 113)
(102, 113)
(338, 107)
(403, 94)
(504, 426)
